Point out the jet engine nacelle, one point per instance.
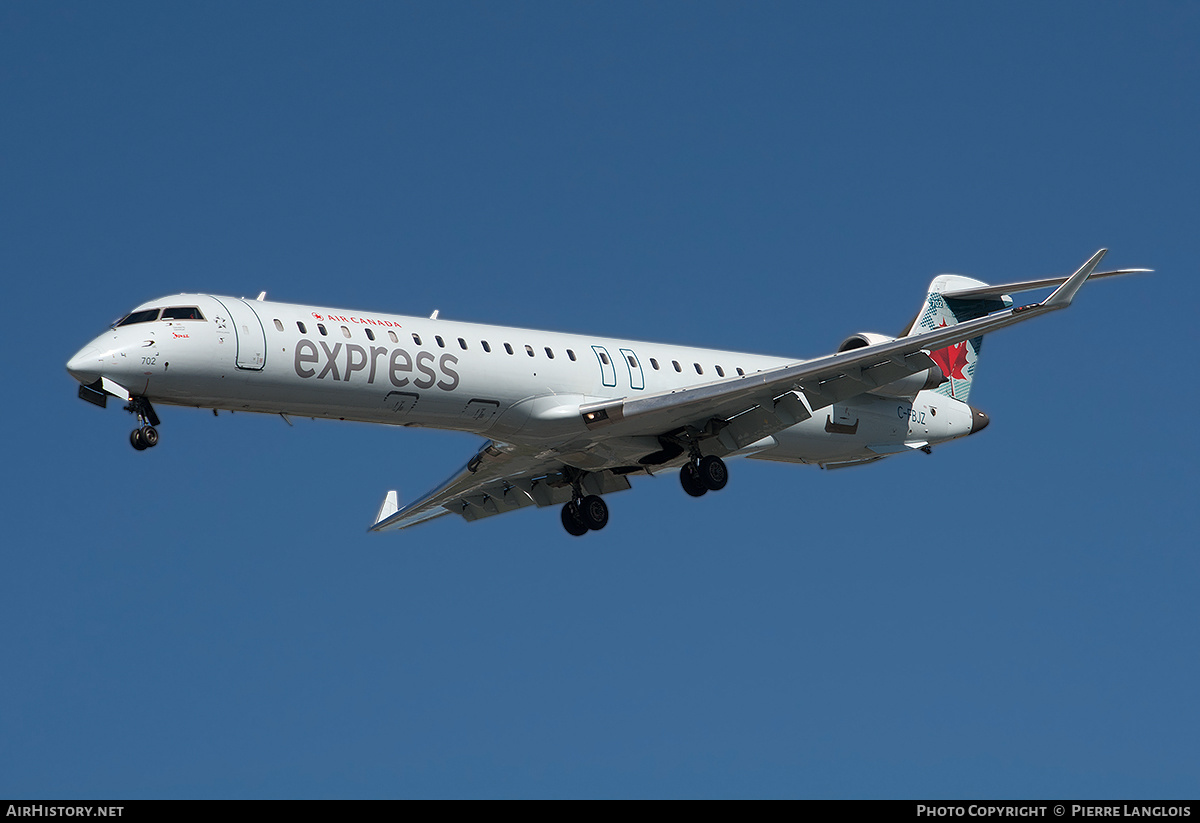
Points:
(930, 378)
(863, 338)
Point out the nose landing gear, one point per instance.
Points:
(143, 438)
(145, 435)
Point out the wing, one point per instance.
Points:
(729, 414)
(742, 410)
(499, 478)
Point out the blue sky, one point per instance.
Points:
(1013, 616)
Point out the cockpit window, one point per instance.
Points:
(143, 316)
(182, 313)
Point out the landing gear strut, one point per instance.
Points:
(584, 513)
(145, 436)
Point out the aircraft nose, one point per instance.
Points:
(979, 420)
(85, 365)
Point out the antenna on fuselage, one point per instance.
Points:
(434, 315)
(262, 295)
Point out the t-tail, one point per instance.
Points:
(955, 299)
(957, 361)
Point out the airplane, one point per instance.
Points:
(570, 418)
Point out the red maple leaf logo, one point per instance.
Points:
(952, 359)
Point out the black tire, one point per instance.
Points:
(593, 511)
(135, 440)
(572, 522)
(689, 478)
(713, 473)
(150, 436)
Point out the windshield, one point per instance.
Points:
(144, 316)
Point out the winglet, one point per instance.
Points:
(391, 505)
(1064, 294)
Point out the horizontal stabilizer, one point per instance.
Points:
(1029, 285)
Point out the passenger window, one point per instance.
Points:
(698, 369)
(549, 353)
(345, 332)
(508, 348)
(300, 326)
(653, 364)
(392, 335)
(604, 358)
(462, 344)
(416, 338)
(321, 329)
(278, 326)
(485, 345)
(529, 350)
(632, 362)
(720, 372)
(678, 367)
(571, 355)
(441, 343)
(741, 373)
(370, 334)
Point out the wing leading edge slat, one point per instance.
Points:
(498, 479)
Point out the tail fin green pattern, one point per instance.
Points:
(959, 360)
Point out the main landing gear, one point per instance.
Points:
(145, 435)
(584, 513)
(588, 514)
(703, 475)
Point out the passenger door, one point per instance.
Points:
(248, 331)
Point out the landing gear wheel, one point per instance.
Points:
(593, 511)
(145, 435)
(713, 473)
(572, 522)
(689, 478)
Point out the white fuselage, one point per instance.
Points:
(515, 385)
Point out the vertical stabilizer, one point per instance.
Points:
(959, 360)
